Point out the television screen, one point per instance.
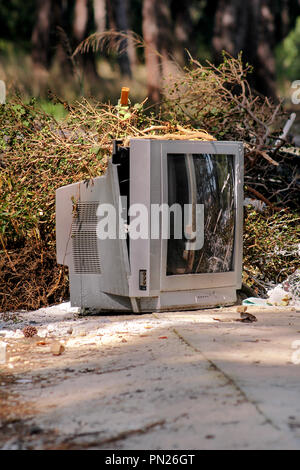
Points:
(206, 180)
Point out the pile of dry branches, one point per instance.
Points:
(220, 99)
(30, 277)
(40, 154)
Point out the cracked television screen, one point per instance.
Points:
(205, 181)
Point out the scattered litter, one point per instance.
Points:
(29, 331)
(255, 301)
(225, 320)
(291, 286)
(279, 296)
(57, 349)
(162, 337)
(285, 294)
(247, 317)
(241, 308)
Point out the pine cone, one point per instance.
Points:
(29, 331)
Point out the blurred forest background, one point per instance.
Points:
(38, 38)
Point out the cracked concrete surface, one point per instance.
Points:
(181, 380)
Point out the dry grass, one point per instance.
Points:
(22, 78)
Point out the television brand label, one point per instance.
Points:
(207, 295)
(143, 279)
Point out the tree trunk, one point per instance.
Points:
(59, 38)
(285, 18)
(41, 35)
(182, 28)
(157, 34)
(80, 31)
(118, 21)
(248, 26)
(80, 19)
(264, 65)
(231, 27)
(100, 15)
(150, 33)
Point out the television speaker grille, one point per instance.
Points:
(84, 239)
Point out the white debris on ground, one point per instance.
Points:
(177, 380)
(292, 285)
(285, 294)
(62, 320)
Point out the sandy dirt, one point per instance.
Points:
(182, 380)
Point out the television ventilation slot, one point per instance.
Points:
(84, 239)
(86, 212)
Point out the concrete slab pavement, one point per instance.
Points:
(181, 380)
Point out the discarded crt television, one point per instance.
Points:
(161, 230)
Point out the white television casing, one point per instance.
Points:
(146, 275)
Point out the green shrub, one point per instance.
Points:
(287, 55)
